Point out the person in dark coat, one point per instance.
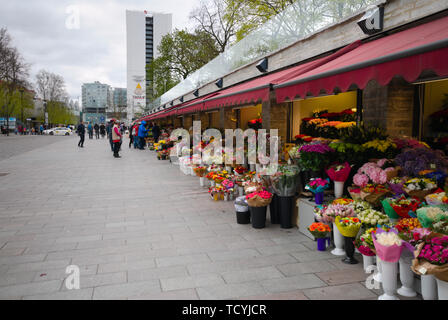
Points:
(156, 132)
(82, 134)
(109, 127)
(102, 130)
(96, 127)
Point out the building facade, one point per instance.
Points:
(96, 99)
(144, 31)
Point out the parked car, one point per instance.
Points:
(58, 131)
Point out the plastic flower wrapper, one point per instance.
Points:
(388, 245)
(319, 230)
(317, 185)
(428, 215)
(319, 211)
(355, 192)
(405, 207)
(200, 171)
(285, 182)
(360, 205)
(419, 188)
(432, 257)
(339, 172)
(440, 227)
(337, 210)
(373, 218)
(437, 198)
(364, 243)
(348, 226)
(396, 185)
(343, 201)
(390, 212)
(374, 193)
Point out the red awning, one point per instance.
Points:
(257, 90)
(194, 105)
(405, 53)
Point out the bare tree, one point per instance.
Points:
(14, 72)
(218, 18)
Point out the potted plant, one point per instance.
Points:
(321, 232)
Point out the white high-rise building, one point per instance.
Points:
(144, 31)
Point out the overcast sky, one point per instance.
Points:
(94, 52)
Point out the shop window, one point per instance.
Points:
(334, 111)
(435, 114)
(250, 117)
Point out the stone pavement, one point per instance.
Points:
(140, 229)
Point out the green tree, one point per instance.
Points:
(180, 54)
(13, 75)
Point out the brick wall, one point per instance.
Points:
(390, 107)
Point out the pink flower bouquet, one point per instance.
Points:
(432, 257)
(371, 173)
(388, 245)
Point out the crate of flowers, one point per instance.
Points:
(419, 187)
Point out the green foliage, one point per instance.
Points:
(362, 134)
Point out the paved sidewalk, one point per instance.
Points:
(140, 229)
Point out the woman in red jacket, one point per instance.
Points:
(116, 139)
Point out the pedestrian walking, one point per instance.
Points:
(109, 133)
(135, 134)
(41, 129)
(82, 134)
(102, 130)
(90, 130)
(116, 139)
(96, 127)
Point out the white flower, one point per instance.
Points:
(388, 239)
(411, 187)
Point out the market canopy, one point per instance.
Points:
(407, 53)
(258, 90)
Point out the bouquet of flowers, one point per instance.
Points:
(405, 207)
(440, 227)
(343, 201)
(412, 161)
(319, 230)
(428, 215)
(355, 192)
(372, 173)
(396, 185)
(432, 257)
(317, 185)
(374, 193)
(406, 227)
(360, 206)
(388, 245)
(438, 176)
(314, 156)
(381, 148)
(348, 226)
(228, 184)
(319, 212)
(339, 172)
(337, 210)
(200, 171)
(373, 218)
(405, 143)
(240, 170)
(259, 199)
(217, 193)
(285, 182)
(364, 243)
(420, 188)
(250, 187)
(437, 198)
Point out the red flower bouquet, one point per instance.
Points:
(259, 198)
(339, 172)
(405, 207)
